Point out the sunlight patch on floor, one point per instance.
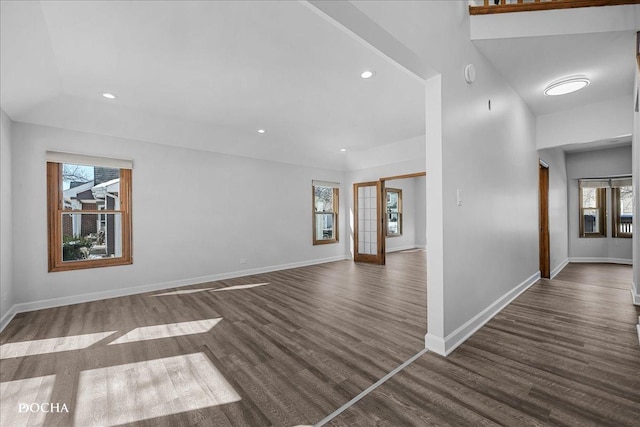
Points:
(144, 333)
(236, 287)
(145, 390)
(51, 345)
(31, 390)
(183, 292)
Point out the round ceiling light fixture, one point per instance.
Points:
(261, 131)
(567, 85)
(109, 95)
(343, 149)
(367, 74)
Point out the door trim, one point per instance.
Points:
(543, 219)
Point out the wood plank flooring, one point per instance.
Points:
(565, 353)
(290, 347)
(284, 348)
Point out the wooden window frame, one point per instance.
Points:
(400, 218)
(54, 222)
(601, 206)
(616, 215)
(336, 227)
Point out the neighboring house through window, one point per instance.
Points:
(325, 212)
(89, 211)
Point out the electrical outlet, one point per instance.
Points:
(243, 260)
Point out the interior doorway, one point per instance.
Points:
(545, 257)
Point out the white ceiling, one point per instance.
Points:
(225, 67)
(208, 75)
(531, 63)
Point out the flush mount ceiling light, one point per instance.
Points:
(109, 95)
(261, 131)
(343, 149)
(566, 85)
(367, 74)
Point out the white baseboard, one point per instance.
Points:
(445, 346)
(96, 296)
(601, 260)
(8, 317)
(559, 268)
(635, 297)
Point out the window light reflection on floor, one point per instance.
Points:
(182, 292)
(237, 287)
(51, 345)
(144, 333)
(26, 391)
(150, 389)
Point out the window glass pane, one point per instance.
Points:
(393, 223)
(324, 226)
(323, 199)
(91, 236)
(591, 221)
(589, 199)
(626, 210)
(90, 187)
(392, 201)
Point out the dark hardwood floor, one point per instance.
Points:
(284, 348)
(290, 347)
(565, 353)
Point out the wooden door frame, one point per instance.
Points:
(543, 219)
(380, 256)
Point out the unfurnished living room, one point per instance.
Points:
(342, 213)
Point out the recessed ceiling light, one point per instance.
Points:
(566, 85)
(343, 149)
(261, 131)
(367, 74)
(109, 95)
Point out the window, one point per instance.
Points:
(325, 212)
(394, 212)
(622, 207)
(593, 201)
(89, 211)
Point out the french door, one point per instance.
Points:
(368, 236)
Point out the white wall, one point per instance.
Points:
(6, 223)
(595, 164)
(593, 122)
(491, 249)
(195, 215)
(558, 216)
(421, 212)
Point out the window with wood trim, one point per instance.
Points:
(593, 202)
(394, 212)
(89, 212)
(325, 212)
(622, 207)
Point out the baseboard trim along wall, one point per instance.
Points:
(445, 346)
(559, 268)
(96, 296)
(402, 248)
(634, 296)
(601, 260)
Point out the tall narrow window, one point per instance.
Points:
(89, 211)
(593, 201)
(622, 203)
(394, 212)
(325, 212)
